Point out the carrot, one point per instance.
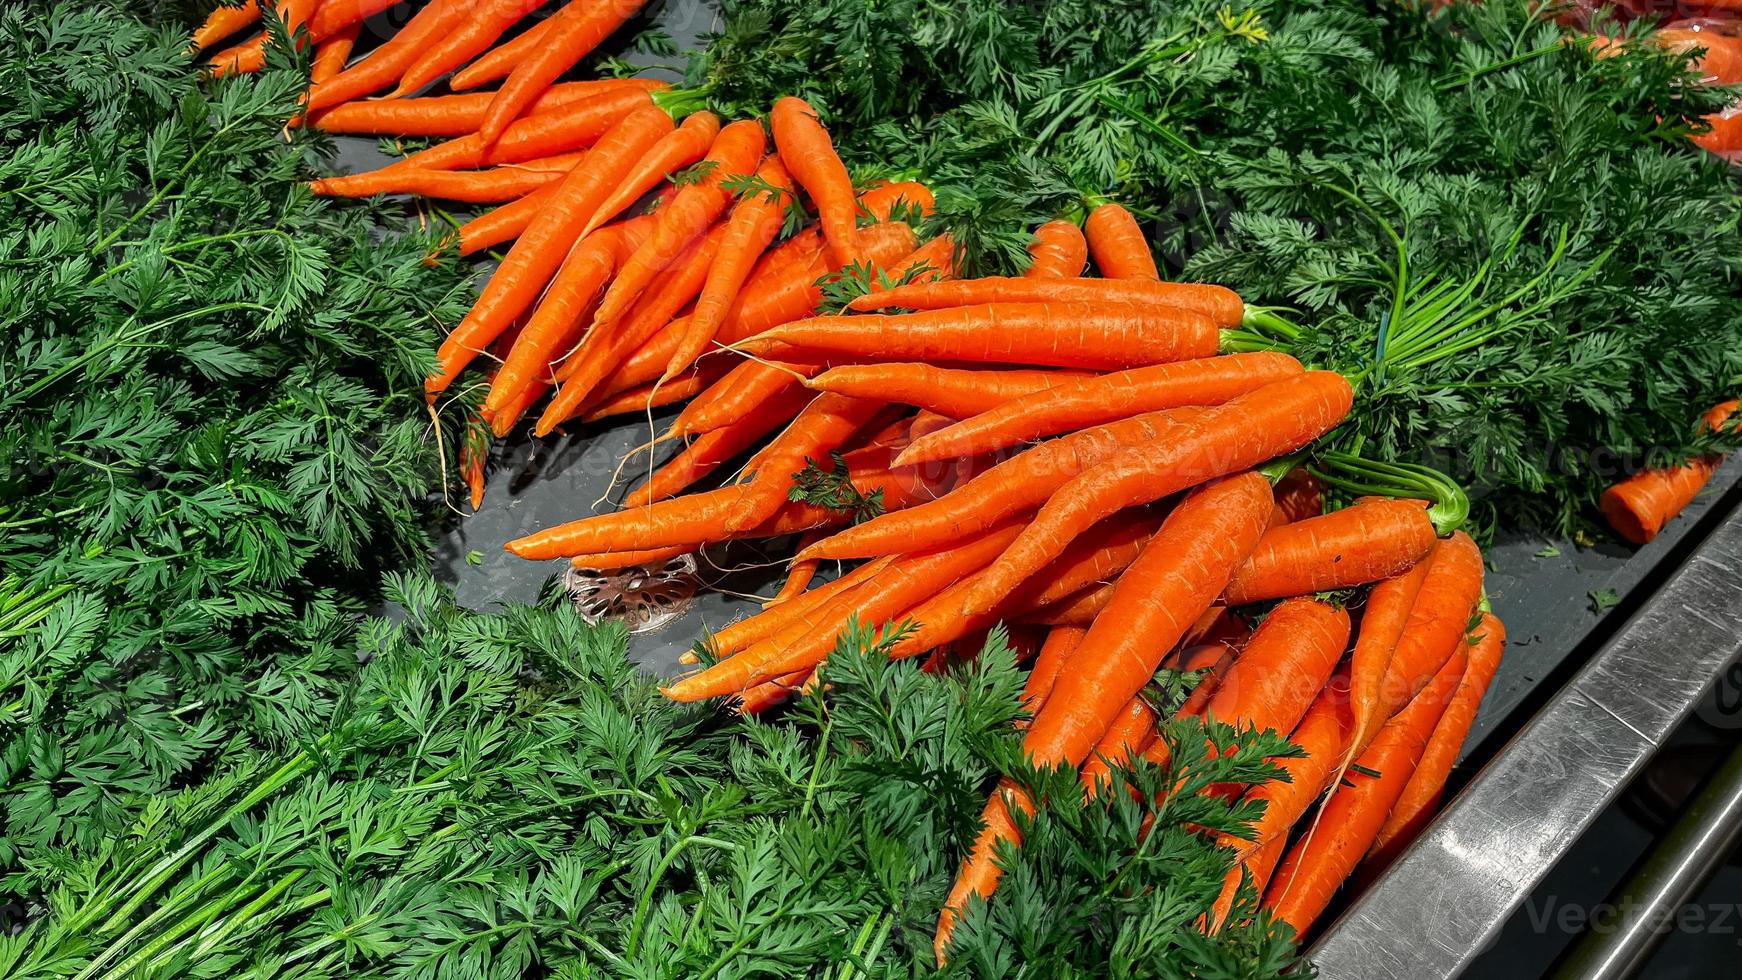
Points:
(1389, 604)
(824, 425)
(1079, 335)
(742, 389)
(1061, 642)
(333, 16)
(1104, 398)
(1129, 735)
(791, 287)
(535, 257)
(1421, 795)
(474, 451)
(688, 520)
(770, 621)
(798, 577)
(604, 350)
(505, 223)
(250, 55)
(574, 32)
(557, 321)
(1272, 421)
(331, 55)
(770, 694)
(717, 446)
(689, 214)
(223, 22)
(470, 37)
(1219, 303)
(806, 642)
(383, 66)
(1283, 667)
(935, 261)
(1163, 593)
(1639, 506)
(1118, 245)
(1317, 865)
(1437, 622)
(953, 392)
(1057, 252)
(1012, 487)
(496, 63)
(680, 148)
(458, 115)
(754, 222)
(634, 401)
(568, 127)
(1373, 539)
(1077, 609)
(493, 186)
(615, 560)
(809, 156)
(1325, 733)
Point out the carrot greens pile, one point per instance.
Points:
(1291, 149)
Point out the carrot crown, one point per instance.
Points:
(680, 102)
(1448, 504)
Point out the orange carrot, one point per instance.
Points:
(250, 55)
(223, 22)
(1163, 593)
(331, 55)
(1057, 252)
(770, 694)
(1387, 614)
(574, 32)
(612, 561)
(493, 186)
(809, 156)
(496, 63)
(458, 115)
(1283, 667)
(1061, 642)
(1079, 335)
(755, 220)
(1272, 421)
(1319, 864)
(567, 127)
(1639, 506)
(824, 425)
(383, 66)
(1012, 487)
(1131, 732)
(1325, 733)
(635, 401)
(791, 288)
(953, 392)
(770, 621)
(1299, 496)
(602, 351)
(684, 218)
(680, 148)
(742, 389)
(1421, 795)
(798, 576)
(1104, 398)
(715, 447)
(557, 322)
(808, 641)
(333, 16)
(503, 224)
(476, 33)
(535, 257)
(1219, 303)
(1437, 622)
(1076, 609)
(1373, 539)
(1118, 245)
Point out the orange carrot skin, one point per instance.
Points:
(754, 221)
(824, 425)
(1325, 733)
(1012, 487)
(1283, 667)
(808, 641)
(1118, 245)
(741, 390)
(979, 873)
(1105, 398)
(1058, 251)
(1155, 602)
(496, 63)
(1421, 796)
(1437, 622)
(1079, 335)
(487, 23)
(791, 291)
(458, 115)
(223, 22)
(568, 127)
(680, 148)
(534, 258)
(332, 54)
(1300, 496)
(383, 66)
(333, 16)
(1077, 609)
(1247, 431)
(612, 561)
(1639, 506)
(1372, 539)
(715, 447)
(1055, 652)
(744, 632)
(809, 156)
(574, 32)
(1386, 616)
(958, 393)
(1317, 866)
(1219, 303)
(634, 401)
(495, 186)
(771, 694)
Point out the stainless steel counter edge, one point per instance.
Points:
(1446, 898)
